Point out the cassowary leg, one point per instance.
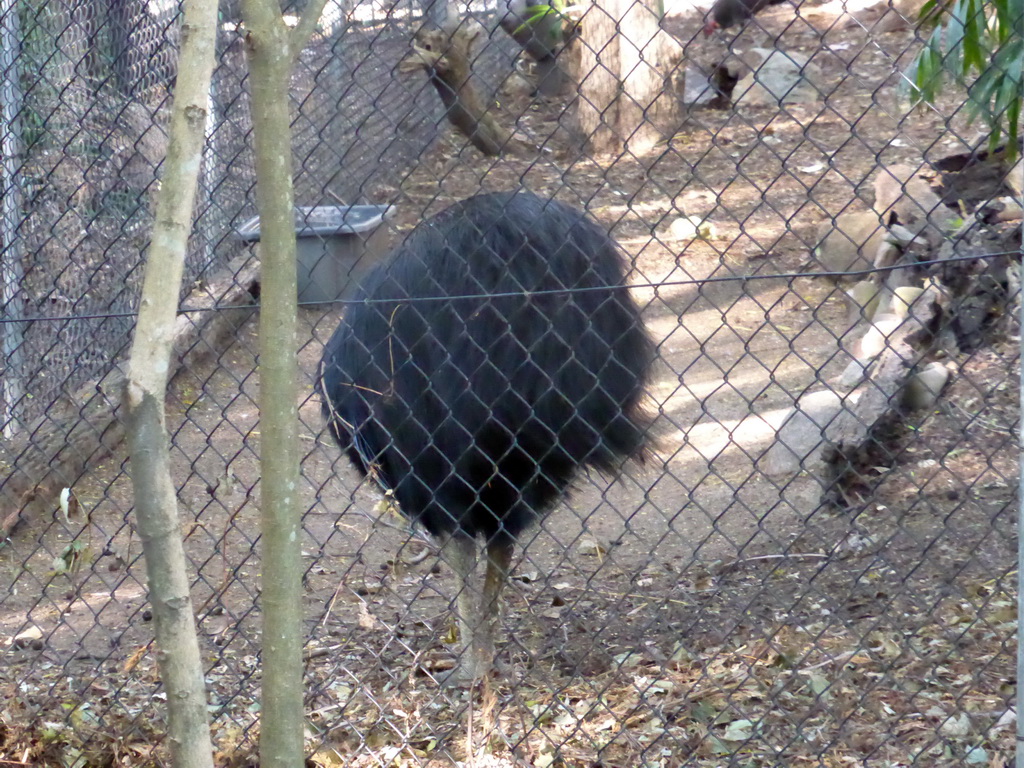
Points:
(460, 554)
(499, 561)
(477, 612)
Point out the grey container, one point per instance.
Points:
(335, 246)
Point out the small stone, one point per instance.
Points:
(924, 387)
(690, 228)
(876, 338)
(863, 300)
(850, 242)
(591, 547)
(904, 298)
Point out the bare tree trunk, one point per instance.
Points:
(271, 48)
(179, 660)
(630, 77)
(595, 61)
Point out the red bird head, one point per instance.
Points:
(711, 27)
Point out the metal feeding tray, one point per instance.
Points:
(336, 245)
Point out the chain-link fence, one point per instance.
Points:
(815, 565)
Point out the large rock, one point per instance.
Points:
(850, 243)
(800, 438)
(777, 77)
(902, 190)
(863, 300)
(887, 16)
(924, 387)
(1016, 178)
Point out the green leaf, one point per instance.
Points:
(536, 13)
(977, 756)
(819, 684)
(974, 34)
(1009, 91)
(1005, 18)
(973, 38)
(739, 730)
(719, 747)
(1013, 120)
(928, 68)
(705, 712)
(954, 37)
(930, 12)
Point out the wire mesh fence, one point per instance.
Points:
(815, 565)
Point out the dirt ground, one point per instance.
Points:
(696, 610)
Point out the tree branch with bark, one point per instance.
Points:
(178, 657)
(271, 49)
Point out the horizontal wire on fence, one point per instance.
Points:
(548, 292)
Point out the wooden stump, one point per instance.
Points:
(630, 73)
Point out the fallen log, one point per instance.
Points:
(68, 440)
(879, 400)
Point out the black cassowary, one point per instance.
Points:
(495, 354)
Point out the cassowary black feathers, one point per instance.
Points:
(489, 359)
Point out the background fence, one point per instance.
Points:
(815, 570)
